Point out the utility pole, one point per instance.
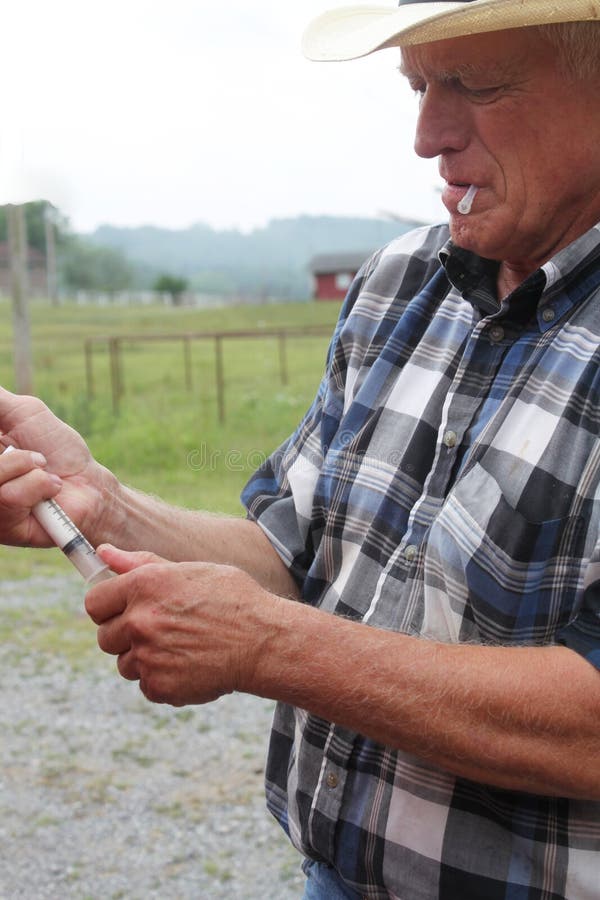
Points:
(50, 234)
(17, 249)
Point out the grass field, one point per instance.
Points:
(167, 439)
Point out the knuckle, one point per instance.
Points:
(145, 577)
(140, 585)
(126, 667)
(153, 691)
(103, 639)
(34, 403)
(89, 603)
(137, 628)
(149, 558)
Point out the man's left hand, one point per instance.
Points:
(189, 632)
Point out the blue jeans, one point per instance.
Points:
(323, 883)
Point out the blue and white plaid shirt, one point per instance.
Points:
(445, 483)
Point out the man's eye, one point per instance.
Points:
(482, 93)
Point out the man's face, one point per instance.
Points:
(500, 114)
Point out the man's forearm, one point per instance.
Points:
(517, 718)
(138, 521)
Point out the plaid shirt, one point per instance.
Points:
(444, 483)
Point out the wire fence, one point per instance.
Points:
(117, 346)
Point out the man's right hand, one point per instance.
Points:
(107, 511)
(65, 470)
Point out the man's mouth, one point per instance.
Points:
(458, 196)
(464, 206)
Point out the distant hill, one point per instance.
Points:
(271, 261)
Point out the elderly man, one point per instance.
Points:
(437, 510)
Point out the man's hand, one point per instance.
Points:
(519, 718)
(189, 632)
(106, 510)
(58, 462)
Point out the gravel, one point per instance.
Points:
(104, 795)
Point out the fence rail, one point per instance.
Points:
(115, 345)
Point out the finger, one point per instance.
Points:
(121, 561)
(16, 462)
(113, 637)
(128, 667)
(27, 489)
(106, 600)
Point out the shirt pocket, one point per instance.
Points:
(492, 575)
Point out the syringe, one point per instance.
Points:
(67, 536)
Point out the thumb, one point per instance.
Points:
(121, 561)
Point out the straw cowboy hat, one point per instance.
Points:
(353, 31)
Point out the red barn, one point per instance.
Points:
(333, 273)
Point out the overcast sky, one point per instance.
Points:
(153, 112)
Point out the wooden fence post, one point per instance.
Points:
(220, 377)
(116, 381)
(115, 350)
(89, 369)
(187, 362)
(283, 369)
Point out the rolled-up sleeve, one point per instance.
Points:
(582, 634)
(279, 495)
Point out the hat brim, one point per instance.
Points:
(353, 31)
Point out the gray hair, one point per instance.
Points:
(577, 45)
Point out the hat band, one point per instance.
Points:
(406, 2)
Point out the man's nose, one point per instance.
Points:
(443, 123)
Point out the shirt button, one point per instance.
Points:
(548, 314)
(332, 780)
(410, 552)
(496, 333)
(450, 439)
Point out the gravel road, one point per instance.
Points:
(104, 795)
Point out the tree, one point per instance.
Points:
(86, 266)
(173, 286)
(36, 214)
(46, 229)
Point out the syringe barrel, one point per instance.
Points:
(71, 541)
(85, 559)
(56, 523)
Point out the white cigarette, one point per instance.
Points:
(464, 205)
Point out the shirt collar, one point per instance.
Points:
(473, 276)
(571, 273)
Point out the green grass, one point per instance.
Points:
(167, 439)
